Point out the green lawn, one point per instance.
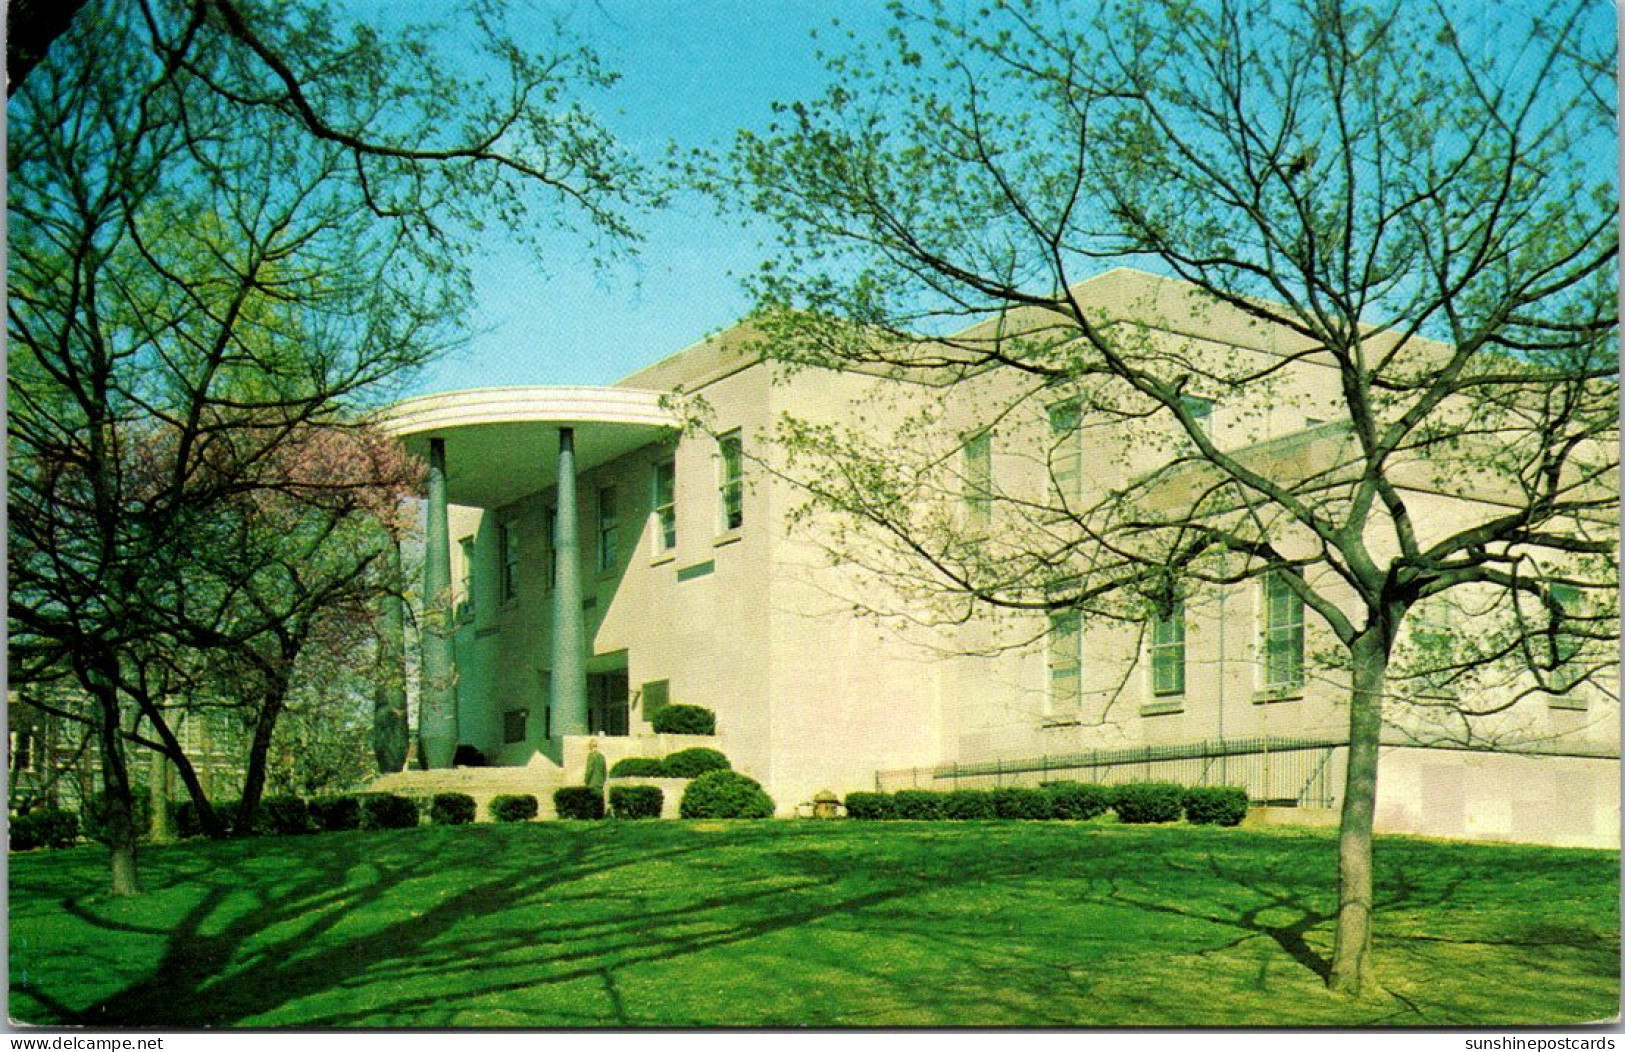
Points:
(803, 923)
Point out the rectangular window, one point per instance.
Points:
(731, 481)
(1200, 408)
(1066, 447)
(514, 725)
(1065, 663)
(665, 506)
(978, 454)
(609, 530)
(1283, 636)
(465, 597)
(508, 541)
(1168, 653)
(1562, 648)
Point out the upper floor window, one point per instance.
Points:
(1561, 648)
(508, 543)
(1282, 630)
(1066, 447)
(1065, 663)
(978, 455)
(731, 481)
(609, 529)
(1168, 653)
(665, 505)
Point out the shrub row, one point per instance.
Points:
(1139, 802)
(625, 801)
(684, 763)
(713, 794)
(46, 827)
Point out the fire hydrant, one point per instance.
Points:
(826, 805)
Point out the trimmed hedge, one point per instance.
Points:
(578, 802)
(336, 814)
(965, 805)
(871, 807)
(514, 807)
(451, 809)
(636, 801)
(637, 767)
(725, 794)
(387, 811)
(93, 816)
(916, 805)
(46, 827)
(284, 816)
(1022, 804)
(684, 719)
(1221, 805)
(691, 763)
(1078, 801)
(1139, 803)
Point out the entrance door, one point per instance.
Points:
(607, 696)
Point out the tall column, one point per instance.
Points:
(437, 705)
(569, 634)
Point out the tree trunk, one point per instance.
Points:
(118, 803)
(273, 699)
(1351, 959)
(161, 830)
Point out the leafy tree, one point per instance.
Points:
(233, 228)
(1418, 208)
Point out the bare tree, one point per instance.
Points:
(1414, 206)
(234, 226)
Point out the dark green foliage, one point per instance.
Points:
(725, 794)
(451, 809)
(335, 814)
(1221, 805)
(387, 811)
(1078, 801)
(93, 816)
(869, 806)
(684, 719)
(963, 805)
(691, 763)
(513, 807)
(1023, 803)
(637, 767)
(284, 816)
(46, 827)
(636, 801)
(1141, 802)
(578, 802)
(916, 804)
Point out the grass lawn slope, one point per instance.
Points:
(805, 923)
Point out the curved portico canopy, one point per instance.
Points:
(501, 443)
(490, 447)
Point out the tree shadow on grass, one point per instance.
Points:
(549, 926)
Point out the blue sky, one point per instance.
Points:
(692, 72)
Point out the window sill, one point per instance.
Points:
(1567, 705)
(731, 537)
(1051, 722)
(663, 558)
(1270, 695)
(1166, 706)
